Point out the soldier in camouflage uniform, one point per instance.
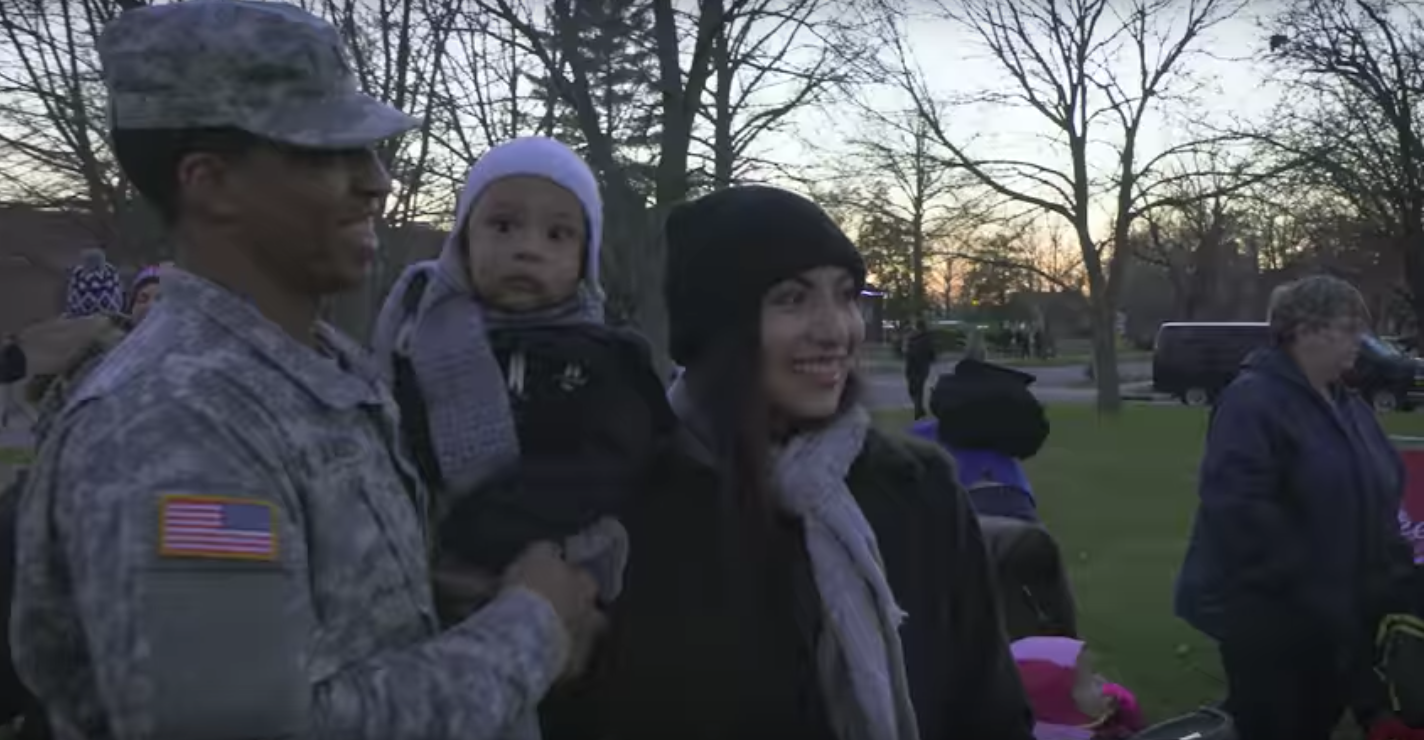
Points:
(220, 539)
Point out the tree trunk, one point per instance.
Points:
(652, 313)
(917, 262)
(1414, 269)
(724, 149)
(1105, 371)
(1101, 302)
(633, 276)
(1249, 295)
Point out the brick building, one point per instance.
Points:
(37, 248)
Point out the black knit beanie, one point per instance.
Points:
(983, 406)
(727, 249)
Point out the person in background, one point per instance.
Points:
(1295, 551)
(919, 361)
(797, 573)
(19, 710)
(974, 345)
(14, 367)
(94, 287)
(74, 347)
(142, 293)
(220, 537)
(988, 419)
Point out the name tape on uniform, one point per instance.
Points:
(216, 527)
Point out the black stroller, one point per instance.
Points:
(987, 418)
(1034, 594)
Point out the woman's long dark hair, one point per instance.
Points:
(726, 386)
(727, 389)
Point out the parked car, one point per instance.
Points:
(1194, 361)
(1406, 344)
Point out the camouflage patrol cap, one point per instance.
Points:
(267, 68)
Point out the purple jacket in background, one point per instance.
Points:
(978, 466)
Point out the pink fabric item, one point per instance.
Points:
(1127, 720)
(1048, 667)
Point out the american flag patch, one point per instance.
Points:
(217, 527)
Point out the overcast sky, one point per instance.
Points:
(1229, 61)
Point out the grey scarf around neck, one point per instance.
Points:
(860, 659)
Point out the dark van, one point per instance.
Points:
(1194, 361)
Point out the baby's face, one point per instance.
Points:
(524, 244)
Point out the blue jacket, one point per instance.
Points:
(996, 483)
(1296, 536)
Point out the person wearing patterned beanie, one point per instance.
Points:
(94, 287)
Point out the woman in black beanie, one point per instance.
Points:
(799, 574)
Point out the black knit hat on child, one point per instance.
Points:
(727, 249)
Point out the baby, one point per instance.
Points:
(528, 417)
(1070, 701)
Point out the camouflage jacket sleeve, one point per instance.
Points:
(470, 683)
(195, 635)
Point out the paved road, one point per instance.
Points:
(885, 389)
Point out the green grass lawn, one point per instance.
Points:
(15, 455)
(1077, 358)
(1119, 496)
(12, 459)
(887, 361)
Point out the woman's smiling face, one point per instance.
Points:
(811, 332)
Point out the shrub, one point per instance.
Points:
(948, 338)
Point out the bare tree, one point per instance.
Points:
(1028, 252)
(1063, 61)
(770, 59)
(54, 149)
(634, 259)
(1198, 238)
(487, 91)
(399, 53)
(1354, 71)
(895, 174)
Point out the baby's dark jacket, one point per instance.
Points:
(592, 417)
